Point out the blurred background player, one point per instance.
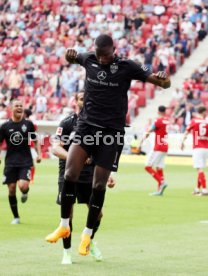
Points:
(27, 114)
(199, 129)
(157, 155)
(18, 161)
(84, 185)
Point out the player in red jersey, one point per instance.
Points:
(199, 128)
(156, 157)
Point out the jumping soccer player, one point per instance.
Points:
(199, 128)
(17, 132)
(100, 127)
(157, 155)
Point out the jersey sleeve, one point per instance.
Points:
(138, 71)
(33, 133)
(64, 129)
(153, 127)
(2, 133)
(81, 58)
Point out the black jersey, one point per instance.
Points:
(65, 133)
(106, 87)
(17, 136)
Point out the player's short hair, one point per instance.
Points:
(103, 40)
(162, 108)
(14, 101)
(77, 94)
(202, 109)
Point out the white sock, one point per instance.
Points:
(87, 231)
(204, 191)
(64, 222)
(67, 251)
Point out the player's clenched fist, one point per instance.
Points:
(71, 55)
(111, 182)
(163, 78)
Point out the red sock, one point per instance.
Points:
(202, 179)
(32, 173)
(154, 173)
(198, 181)
(161, 174)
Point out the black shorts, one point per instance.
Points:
(103, 144)
(83, 191)
(13, 174)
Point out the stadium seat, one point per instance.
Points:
(164, 19)
(146, 29)
(28, 50)
(204, 97)
(38, 83)
(52, 60)
(152, 20)
(141, 102)
(54, 68)
(150, 90)
(136, 86)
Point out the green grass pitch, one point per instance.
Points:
(139, 234)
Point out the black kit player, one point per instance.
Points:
(84, 186)
(17, 132)
(102, 122)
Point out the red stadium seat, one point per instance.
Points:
(137, 86)
(204, 97)
(38, 83)
(45, 145)
(164, 19)
(28, 50)
(141, 102)
(45, 68)
(53, 59)
(54, 68)
(146, 29)
(152, 20)
(150, 90)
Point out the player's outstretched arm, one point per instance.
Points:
(58, 150)
(143, 139)
(160, 79)
(38, 150)
(71, 56)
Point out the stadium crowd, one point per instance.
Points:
(34, 36)
(186, 100)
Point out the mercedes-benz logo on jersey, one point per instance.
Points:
(16, 138)
(101, 75)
